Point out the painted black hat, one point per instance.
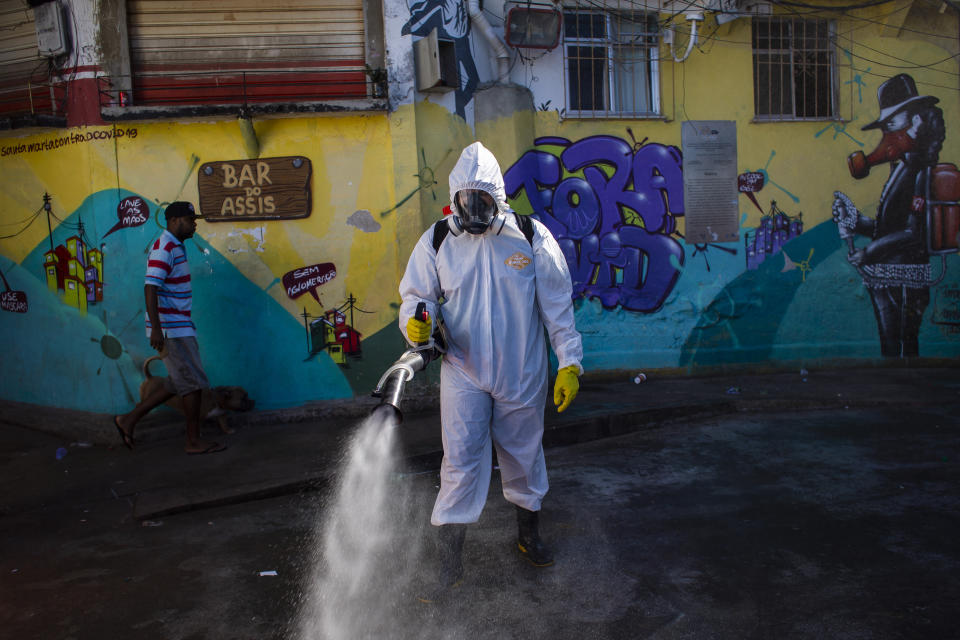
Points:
(895, 94)
(179, 209)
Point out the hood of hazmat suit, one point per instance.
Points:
(478, 169)
(498, 294)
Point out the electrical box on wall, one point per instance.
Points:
(436, 64)
(51, 35)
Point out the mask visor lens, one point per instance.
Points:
(476, 207)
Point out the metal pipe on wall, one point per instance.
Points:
(502, 57)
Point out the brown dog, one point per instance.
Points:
(216, 402)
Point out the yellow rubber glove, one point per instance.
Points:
(566, 387)
(418, 331)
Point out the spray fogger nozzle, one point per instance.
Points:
(394, 380)
(392, 383)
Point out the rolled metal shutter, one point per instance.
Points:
(25, 85)
(195, 52)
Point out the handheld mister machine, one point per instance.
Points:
(393, 382)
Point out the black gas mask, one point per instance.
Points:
(476, 210)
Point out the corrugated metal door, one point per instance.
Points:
(201, 52)
(24, 74)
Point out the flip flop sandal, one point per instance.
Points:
(126, 437)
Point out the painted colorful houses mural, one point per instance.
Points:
(318, 149)
(331, 332)
(776, 229)
(75, 272)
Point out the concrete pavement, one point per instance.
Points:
(281, 452)
(728, 523)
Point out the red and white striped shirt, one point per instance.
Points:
(167, 270)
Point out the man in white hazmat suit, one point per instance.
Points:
(498, 290)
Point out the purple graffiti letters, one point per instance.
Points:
(632, 252)
(659, 276)
(534, 173)
(576, 207)
(611, 193)
(658, 174)
(578, 260)
(611, 255)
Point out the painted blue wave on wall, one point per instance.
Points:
(57, 356)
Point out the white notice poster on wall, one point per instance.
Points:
(710, 196)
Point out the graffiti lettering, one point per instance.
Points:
(951, 294)
(946, 310)
(307, 279)
(750, 183)
(132, 211)
(613, 221)
(13, 301)
(133, 205)
(67, 140)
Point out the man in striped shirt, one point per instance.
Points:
(169, 298)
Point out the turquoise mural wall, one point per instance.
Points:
(246, 338)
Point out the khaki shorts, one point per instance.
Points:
(184, 369)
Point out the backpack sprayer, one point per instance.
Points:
(394, 380)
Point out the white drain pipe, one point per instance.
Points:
(499, 50)
(693, 18)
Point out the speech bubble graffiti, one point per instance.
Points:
(14, 301)
(132, 211)
(307, 279)
(750, 183)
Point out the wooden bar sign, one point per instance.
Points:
(261, 189)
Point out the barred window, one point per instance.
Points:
(610, 63)
(794, 69)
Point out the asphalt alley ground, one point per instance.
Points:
(803, 524)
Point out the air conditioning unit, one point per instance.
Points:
(51, 35)
(730, 10)
(530, 28)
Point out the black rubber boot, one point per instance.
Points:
(450, 557)
(528, 539)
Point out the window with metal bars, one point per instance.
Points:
(794, 69)
(610, 63)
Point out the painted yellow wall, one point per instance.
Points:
(807, 158)
(352, 169)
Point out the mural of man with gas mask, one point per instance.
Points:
(895, 264)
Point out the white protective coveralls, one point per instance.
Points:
(498, 293)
